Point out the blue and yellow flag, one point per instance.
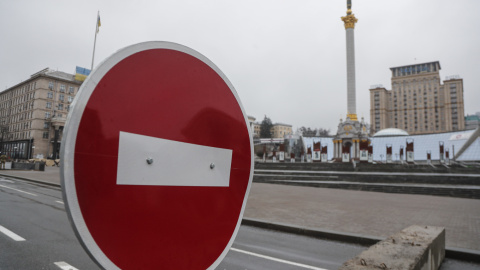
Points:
(81, 73)
(99, 23)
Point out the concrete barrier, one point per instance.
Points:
(415, 248)
(23, 166)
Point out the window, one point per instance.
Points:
(47, 114)
(71, 90)
(49, 105)
(61, 97)
(70, 98)
(62, 88)
(50, 85)
(60, 107)
(50, 95)
(45, 135)
(46, 124)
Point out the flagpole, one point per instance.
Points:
(95, 40)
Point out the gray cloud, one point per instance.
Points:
(286, 59)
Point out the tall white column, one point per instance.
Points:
(351, 99)
(349, 22)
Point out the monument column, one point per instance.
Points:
(350, 21)
(350, 130)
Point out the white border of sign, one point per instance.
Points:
(70, 137)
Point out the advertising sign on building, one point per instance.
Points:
(281, 154)
(324, 154)
(461, 136)
(441, 146)
(316, 152)
(447, 157)
(409, 150)
(309, 154)
(364, 151)
(389, 153)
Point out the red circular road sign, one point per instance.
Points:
(157, 160)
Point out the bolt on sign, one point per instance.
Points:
(148, 178)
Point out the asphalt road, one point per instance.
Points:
(35, 234)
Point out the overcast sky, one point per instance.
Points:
(286, 59)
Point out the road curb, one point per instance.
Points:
(364, 240)
(31, 180)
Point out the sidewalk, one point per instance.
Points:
(347, 211)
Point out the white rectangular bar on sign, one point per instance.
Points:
(172, 163)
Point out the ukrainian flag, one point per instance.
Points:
(81, 73)
(99, 23)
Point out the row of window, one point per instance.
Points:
(15, 119)
(61, 97)
(19, 135)
(71, 89)
(20, 126)
(59, 106)
(19, 91)
(50, 114)
(17, 101)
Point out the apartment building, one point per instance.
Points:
(33, 114)
(419, 101)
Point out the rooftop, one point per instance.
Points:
(391, 132)
(433, 62)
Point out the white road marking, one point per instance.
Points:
(276, 259)
(8, 181)
(19, 190)
(65, 266)
(151, 161)
(59, 202)
(11, 234)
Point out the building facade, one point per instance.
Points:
(33, 114)
(278, 130)
(419, 101)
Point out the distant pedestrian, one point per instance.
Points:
(3, 159)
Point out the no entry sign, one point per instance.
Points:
(157, 160)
